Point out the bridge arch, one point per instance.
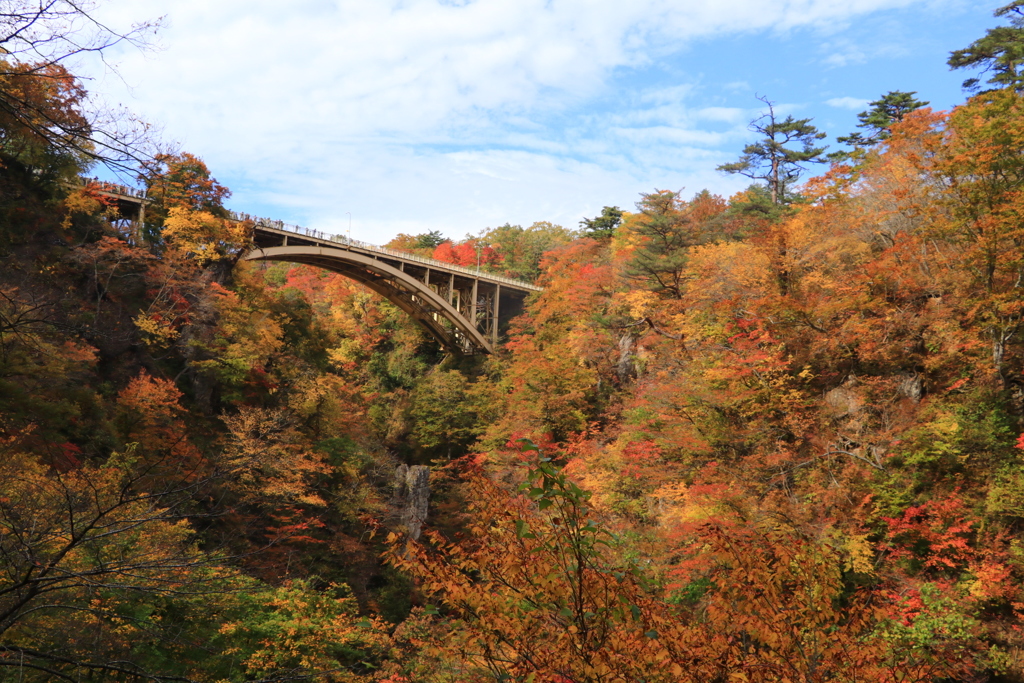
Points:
(426, 306)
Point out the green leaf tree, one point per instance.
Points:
(429, 240)
(1000, 52)
(784, 151)
(443, 417)
(603, 226)
(891, 108)
(521, 248)
(667, 227)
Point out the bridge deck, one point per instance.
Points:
(270, 233)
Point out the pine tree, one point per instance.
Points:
(884, 112)
(1001, 52)
(771, 159)
(603, 226)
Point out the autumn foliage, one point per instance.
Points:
(727, 442)
(808, 427)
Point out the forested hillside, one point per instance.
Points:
(771, 437)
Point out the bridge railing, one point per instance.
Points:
(112, 188)
(366, 246)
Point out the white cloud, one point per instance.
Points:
(442, 114)
(663, 134)
(846, 56)
(737, 86)
(847, 102)
(723, 114)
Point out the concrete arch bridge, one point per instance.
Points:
(462, 308)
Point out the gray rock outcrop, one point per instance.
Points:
(412, 494)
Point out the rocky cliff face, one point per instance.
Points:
(412, 493)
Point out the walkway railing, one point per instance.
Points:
(112, 188)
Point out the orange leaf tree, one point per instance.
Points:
(538, 590)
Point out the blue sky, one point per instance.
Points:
(457, 115)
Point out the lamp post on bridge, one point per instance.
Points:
(349, 236)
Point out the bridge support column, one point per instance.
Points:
(472, 306)
(140, 224)
(494, 317)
